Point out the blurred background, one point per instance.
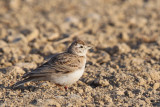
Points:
(124, 61)
(37, 26)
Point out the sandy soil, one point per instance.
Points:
(123, 68)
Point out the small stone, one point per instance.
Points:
(103, 57)
(158, 41)
(137, 61)
(74, 97)
(33, 35)
(108, 99)
(51, 102)
(120, 92)
(142, 22)
(143, 47)
(147, 100)
(101, 103)
(19, 38)
(141, 81)
(152, 61)
(129, 94)
(94, 16)
(53, 36)
(5, 49)
(149, 79)
(80, 83)
(25, 48)
(3, 33)
(60, 47)
(36, 58)
(141, 102)
(16, 69)
(88, 89)
(15, 4)
(110, 87)
(154, 75)
(104, 82)
(47, 49)
(44, 84)
(2, 44)
(14, 58)
(89, 105)
(8, 64)
(31, 65)
(123, 48)
(156, 86)
(72, 19)
(123, 37)
(80, 91)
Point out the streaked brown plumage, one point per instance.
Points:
(62, 67)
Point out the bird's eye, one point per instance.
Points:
(81, 46)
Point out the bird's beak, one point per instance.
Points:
(89, 47)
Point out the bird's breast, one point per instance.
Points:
(69, 78)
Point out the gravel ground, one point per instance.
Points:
(123, 68)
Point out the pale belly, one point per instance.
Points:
(70, 78)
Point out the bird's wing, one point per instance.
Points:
(61, 63)
(66, 62)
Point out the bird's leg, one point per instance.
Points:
(60, 86)
(66, 88)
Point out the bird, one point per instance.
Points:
(63, 69)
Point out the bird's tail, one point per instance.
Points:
(19, 83)
(33, 77)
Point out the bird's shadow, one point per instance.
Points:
(4, 87)
(30, 88)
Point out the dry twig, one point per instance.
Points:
(73, 35)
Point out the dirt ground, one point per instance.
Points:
(123, 68)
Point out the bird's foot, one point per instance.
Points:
(66, 88)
